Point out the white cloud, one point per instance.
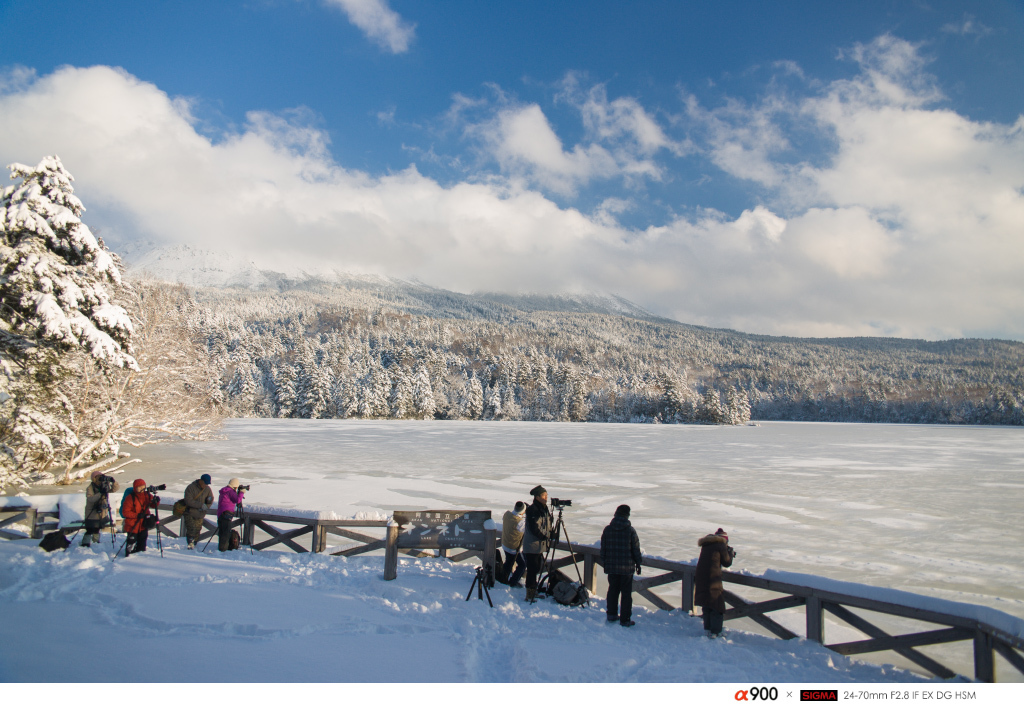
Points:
(910, 225)
(621, 138)
(523, 142)
(379, 22)
(968, 26)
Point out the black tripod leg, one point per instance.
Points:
(488, 592)
(471, 588)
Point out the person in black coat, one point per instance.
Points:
(620, 556)
(536, 537)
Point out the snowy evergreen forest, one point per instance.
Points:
(370, 348)
(90, 361)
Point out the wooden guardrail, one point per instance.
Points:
(987, 638)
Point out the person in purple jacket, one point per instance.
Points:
(230, 497)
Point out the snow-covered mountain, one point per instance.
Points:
(198, 267)
(195, 266)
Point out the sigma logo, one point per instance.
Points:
(827, 694)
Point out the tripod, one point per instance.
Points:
(549, 560)
(480, 583)
(159, 541)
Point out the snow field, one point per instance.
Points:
(286, 617)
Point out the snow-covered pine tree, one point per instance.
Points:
(56, 280)
(473, 399)
(400, 400)
(709, 410)
(423, 395)
(284, 391)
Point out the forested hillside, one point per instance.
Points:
(375, 348)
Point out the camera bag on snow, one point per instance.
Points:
(569, 593)
(54, 540)
(235, 541)
(565, 591)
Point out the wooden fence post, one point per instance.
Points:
(248, 530)
(32, 519)
(815, 620)
(391, 552)
(588, 573)
(984, 658)
(319, 542)
(687, 592)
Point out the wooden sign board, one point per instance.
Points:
(443, 529)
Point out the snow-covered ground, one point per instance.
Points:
(927, 509)
(286, 617)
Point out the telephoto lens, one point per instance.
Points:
(244, 487)
(153, 488)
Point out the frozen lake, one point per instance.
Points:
(929, 509)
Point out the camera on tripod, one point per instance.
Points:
(244, 487)
(154, 488)
(561, 503)
(104, 483)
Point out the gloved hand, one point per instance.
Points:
(156, 500)
(638, 569)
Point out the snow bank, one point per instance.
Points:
(314, 515)
(70, 506)
(271, 616)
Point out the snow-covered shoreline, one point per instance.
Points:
(285, 617)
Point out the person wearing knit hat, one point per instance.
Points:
(227, 506)
(621, 557)
(198, 500)
(137, 520)
(513, 528)
(708, 592)
(97, 507)
(536, 538)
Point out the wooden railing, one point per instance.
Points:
(988, 639)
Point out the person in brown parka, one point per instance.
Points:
(715, 554)
(198, 500)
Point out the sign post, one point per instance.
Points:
(441, 530)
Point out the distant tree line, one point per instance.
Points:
(322, 350)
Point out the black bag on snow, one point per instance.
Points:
(53, 541)
(499, 568)
(235, 541)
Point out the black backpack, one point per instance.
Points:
(53, 541)
(235, 541)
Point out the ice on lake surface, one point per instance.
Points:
(928, 509)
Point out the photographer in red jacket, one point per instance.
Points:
(137, 518)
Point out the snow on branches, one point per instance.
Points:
(56, 280)
(54, 272)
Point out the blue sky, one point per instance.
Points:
(774, 167)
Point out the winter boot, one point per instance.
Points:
(531, 594)
(191, 545)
